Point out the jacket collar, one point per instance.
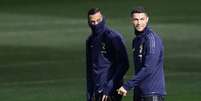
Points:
(142, 33)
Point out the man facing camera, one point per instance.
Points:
(107, 60)
(148, 81)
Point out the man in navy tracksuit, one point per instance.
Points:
(148, 81)
(107, 60)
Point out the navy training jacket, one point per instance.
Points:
(107, 62)
(148, 54)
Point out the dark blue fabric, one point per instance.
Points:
(107, 61)
(148, 54)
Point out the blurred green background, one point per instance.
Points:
(42, 46)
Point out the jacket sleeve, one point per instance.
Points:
(120, 62)
(88, 74)
(150, 59)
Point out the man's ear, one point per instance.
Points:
(147, 19)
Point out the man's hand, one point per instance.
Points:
(104, 98)
(122, 91)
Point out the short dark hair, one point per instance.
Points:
(93, 11)
(138, 9)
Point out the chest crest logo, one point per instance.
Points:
(103, 48)
(141, 48)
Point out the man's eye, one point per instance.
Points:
(99, 20)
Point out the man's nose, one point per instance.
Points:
(96, 22)
(139, 22)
